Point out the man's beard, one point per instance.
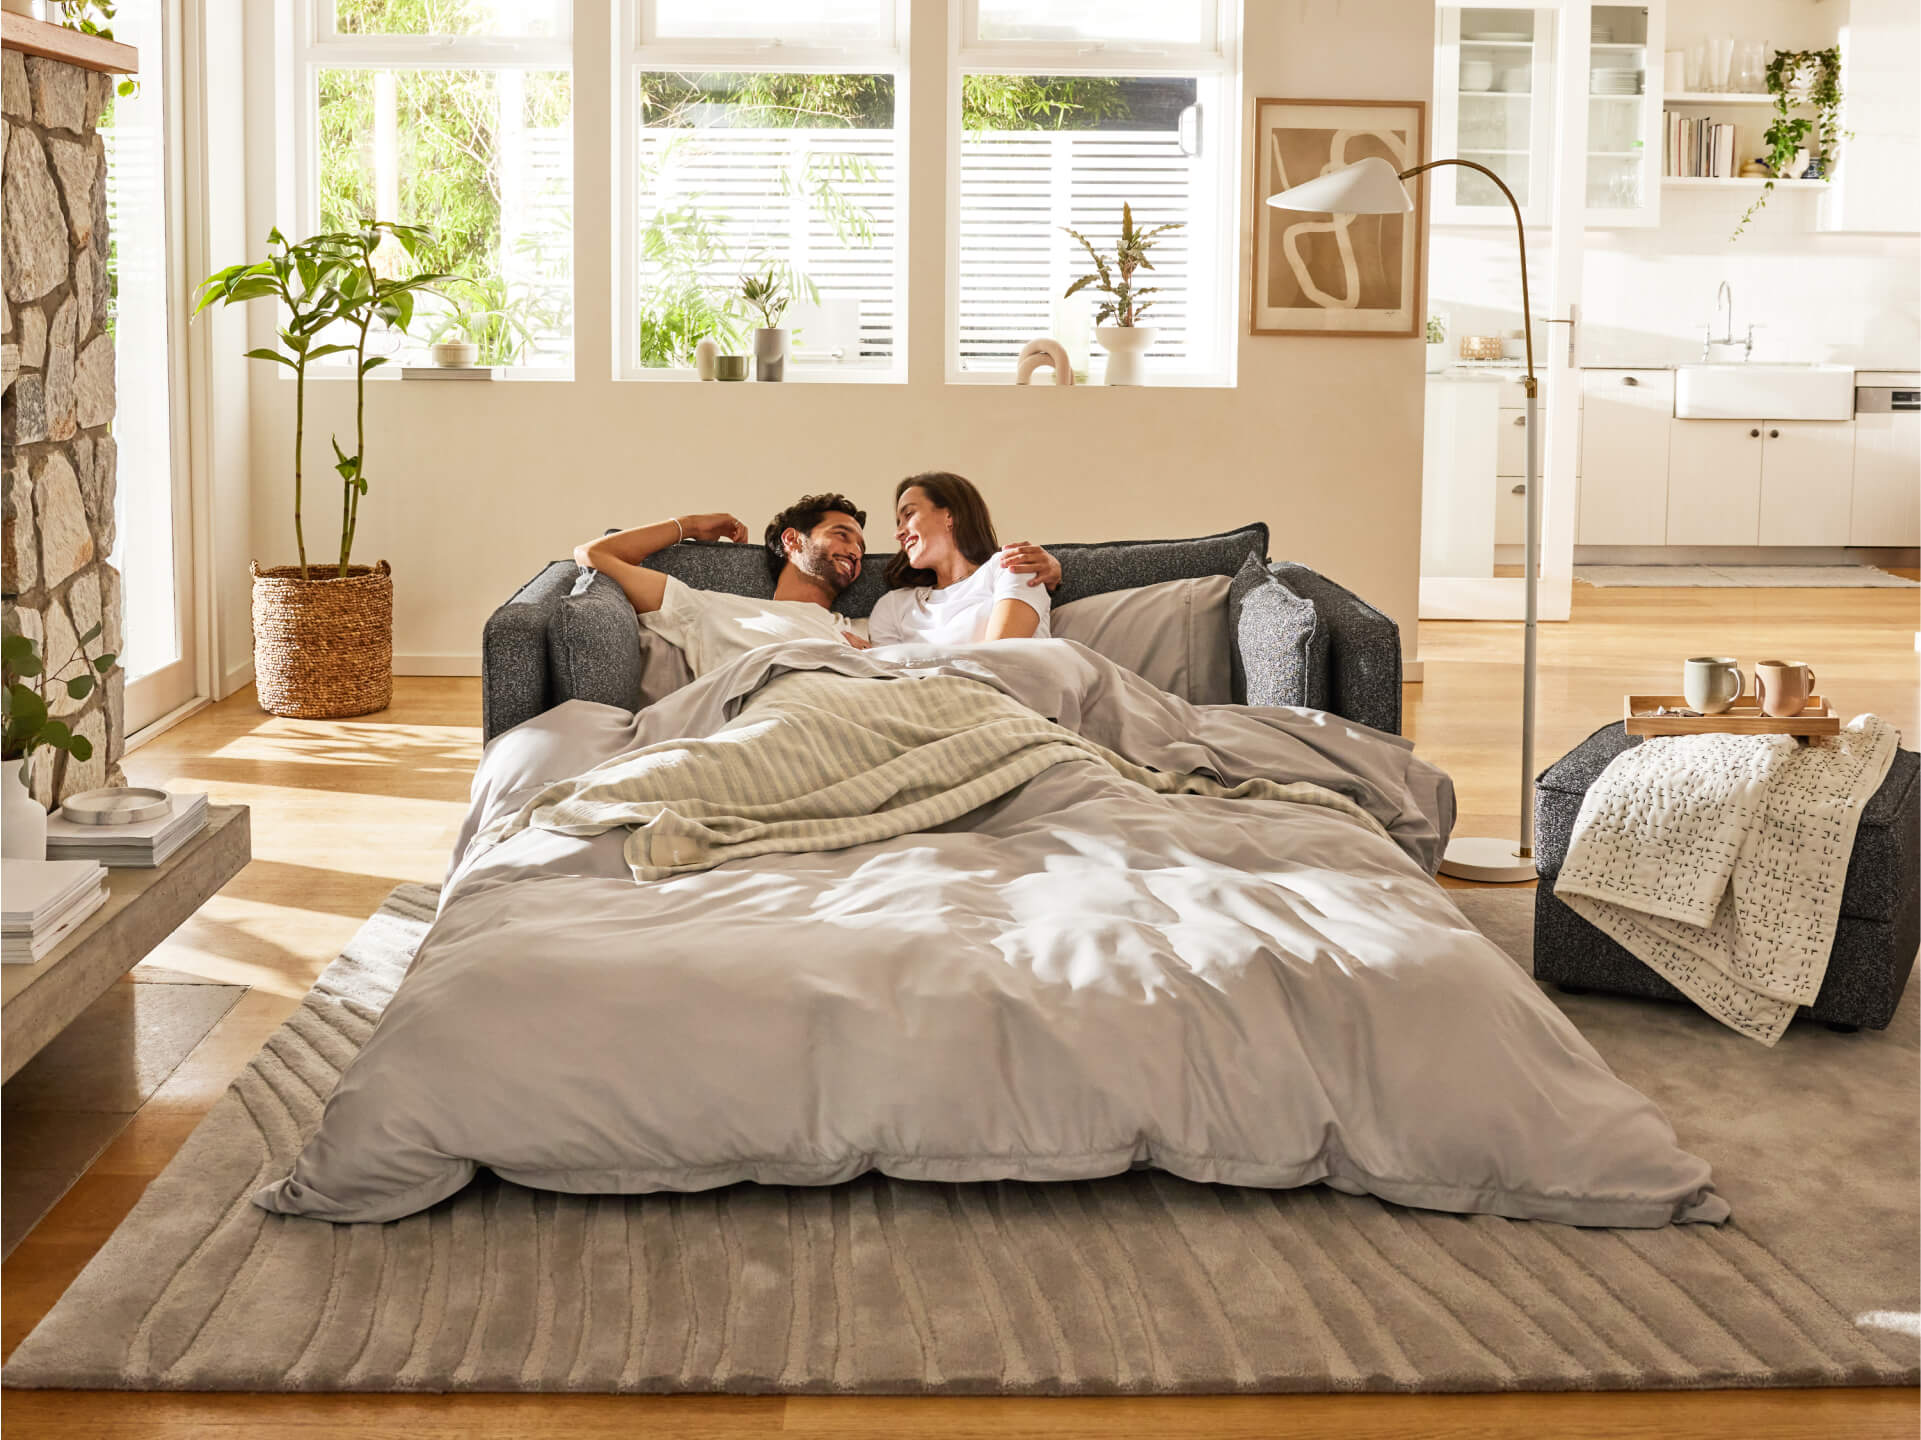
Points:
(815, 560)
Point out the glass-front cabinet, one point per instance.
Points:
(1499, 72)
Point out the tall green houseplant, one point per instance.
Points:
(1798, 78)
(328, 280)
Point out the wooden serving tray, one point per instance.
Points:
(1744, 717)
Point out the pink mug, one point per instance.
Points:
(1782, 687)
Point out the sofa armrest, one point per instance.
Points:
(569, 634)
(1364, 649)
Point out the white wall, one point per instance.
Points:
(474, 487)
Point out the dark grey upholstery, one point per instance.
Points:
(1363, 649)
(1874, 944)
(571, 634)
(1279, 654)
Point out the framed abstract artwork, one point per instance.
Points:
(1335, 274)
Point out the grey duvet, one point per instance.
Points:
(1218, 952)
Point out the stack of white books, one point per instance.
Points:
(41, 901)
(140, 845)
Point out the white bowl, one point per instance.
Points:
(1515, 80)
(1477, 74)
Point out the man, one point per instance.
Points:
(814, 548)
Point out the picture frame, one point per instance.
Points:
(1356, 275)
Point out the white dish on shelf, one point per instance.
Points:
(117, 805)
(1477, 75)
(1497, 37)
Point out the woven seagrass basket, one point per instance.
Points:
(323, 648)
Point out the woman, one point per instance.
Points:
(950, 582)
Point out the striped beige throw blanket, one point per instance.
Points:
(820, 761)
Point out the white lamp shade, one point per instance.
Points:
(1367, 187)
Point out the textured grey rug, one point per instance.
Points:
(1138, 1283)
(1745, 577)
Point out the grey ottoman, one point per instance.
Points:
(1874, 945)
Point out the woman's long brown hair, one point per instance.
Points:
(973, 527)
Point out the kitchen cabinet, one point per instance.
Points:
(1626, 417)
(1874, 189)
(1806, 482)
(1495, 77)
(1714, 482)
(1887, 479)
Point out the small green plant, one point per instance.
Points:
(768, 294)
(93, 17)
(1436, 330)
(326, 281)
(28, 723)
(1799, 78)
(498, 326)
(1125, 303)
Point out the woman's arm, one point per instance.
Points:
(1012, 620)
(618, 556)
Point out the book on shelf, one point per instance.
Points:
(1699, 148)
(43, 901)
(141, 845)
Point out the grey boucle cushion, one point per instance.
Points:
(593, 644)
(1364, 649)
(1279, 646)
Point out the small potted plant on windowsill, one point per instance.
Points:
(30, 725)
(1125, 339)
(482, 326)
(768, 294)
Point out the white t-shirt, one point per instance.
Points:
(957, 615)
(712, 627)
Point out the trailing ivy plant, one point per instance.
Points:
(1798, 78)
(1125, 303)
(94, 17)
(328, 280)
(28, 723)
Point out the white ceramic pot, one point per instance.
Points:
(1437, 357)
(456, 354)
(23, 824)
(770, 354)
(1126, 345)
(17, 7)
(705, 353)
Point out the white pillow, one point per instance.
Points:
(1173, 635)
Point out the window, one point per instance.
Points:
(734, 168)
(458, 115)
(1067, 112)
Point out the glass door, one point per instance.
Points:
(1494, 105)
(1624, 134)
(153, 547)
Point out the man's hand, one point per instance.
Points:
(856, 641)
(1021, 558)
(713, 527)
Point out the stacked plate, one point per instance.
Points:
(1615, 82)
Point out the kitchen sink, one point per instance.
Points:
(1747, 391)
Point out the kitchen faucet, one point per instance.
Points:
(1725, 297)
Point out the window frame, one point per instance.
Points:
(315, 46)
(636, 49)
(1218, 62)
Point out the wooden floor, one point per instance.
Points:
(344, 811)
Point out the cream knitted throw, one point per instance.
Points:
(1719, 860)
(819, 761)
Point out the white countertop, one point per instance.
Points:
(1898, 379)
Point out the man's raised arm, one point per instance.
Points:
(618, 556)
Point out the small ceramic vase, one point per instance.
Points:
(23, 824)
(1125, 346)
(705, 350)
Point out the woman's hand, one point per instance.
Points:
(713, 527)
(1022, 558)
(855, 641)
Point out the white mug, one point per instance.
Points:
(1711, 684)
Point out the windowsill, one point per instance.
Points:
(796, 375)
(390, 375)
(1158, 380)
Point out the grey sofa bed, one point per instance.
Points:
(571, 634)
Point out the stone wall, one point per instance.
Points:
(59, 460)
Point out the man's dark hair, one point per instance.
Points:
(803, 515)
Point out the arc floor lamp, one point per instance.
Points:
(1374, 187)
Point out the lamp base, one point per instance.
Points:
(1484, 858)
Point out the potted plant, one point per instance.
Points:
(29, 725)
(1125, 340)
(1436, 344)
(491, 328)
(768, 294)
(323, 643)
(1798, 78)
